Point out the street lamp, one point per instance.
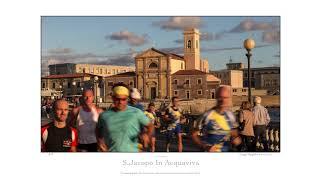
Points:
(60, 88)
(96, 78)
(249, 45)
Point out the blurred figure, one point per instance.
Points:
(262, 119)
(58, 136)
(246, 119)
(85, 117)
(151, 114)
(135, 97)
(172, 116)
(218, 125)
(118, 129)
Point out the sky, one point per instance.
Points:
(118, 39)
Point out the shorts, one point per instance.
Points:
(88, 147)
(170, 133)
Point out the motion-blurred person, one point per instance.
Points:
(151, 114)
(173, 115)
(219, 125)
(85, 117)
(262, 119)
(135, 97)
(246, 119)
(118, 129)
(58, 136)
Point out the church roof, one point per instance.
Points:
(189, 72)
(175, 56)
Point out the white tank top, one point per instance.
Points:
(86, 123)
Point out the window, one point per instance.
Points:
(43, 85)
(245, 74)
(175, 92)
(106, 71)
(69, 84)
(100, 71)
(243, 90)
(199, 92)
(53, 85)
(189, 44)
(78, 84)
(188, 81)
(110, 83)
(153, 65)
(199, 81)
(234, 90)
(130, 83)
(175, 81)
(181, 65)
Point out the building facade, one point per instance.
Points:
(99, 70)
(71, 85)
(128, 78)
(194, 84)
(264, 78)
(155, 68)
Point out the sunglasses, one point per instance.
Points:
(120, 99)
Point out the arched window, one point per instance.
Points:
(189, 44)
(153, 65)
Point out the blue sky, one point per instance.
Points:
(116, 39)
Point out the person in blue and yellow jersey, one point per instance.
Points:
(151, 114)
(119, 128)
(173, 116)
(218, 125)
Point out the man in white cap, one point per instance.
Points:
(118, 129)
(135, 98)
(262, 119)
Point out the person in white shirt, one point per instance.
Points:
(86, 117)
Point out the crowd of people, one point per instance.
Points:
(126, 126)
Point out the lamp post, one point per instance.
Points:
(249, 44)
(96, 78)
(60, 88)
(73, 89)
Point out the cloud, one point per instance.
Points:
(206, 36)
(271, 36)
(178, 23)
(121, 61)
(206, 49)
(60, 51)
(178, 41)
(129, 37)
(251, 25)
(175, 50)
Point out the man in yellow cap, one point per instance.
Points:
(118, 129)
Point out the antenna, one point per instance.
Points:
(230, 60)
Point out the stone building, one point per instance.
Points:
(155, 68)
(70, 85)
(194, 84)
(264, 78)
(99, 70)
(128, 78)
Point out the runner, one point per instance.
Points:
(58, 136)
(151, 114)
(173, 115)
(118, 129)
(219, 125)
(85, 117)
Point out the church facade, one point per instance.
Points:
(157, 72)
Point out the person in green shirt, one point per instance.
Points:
(118, 128)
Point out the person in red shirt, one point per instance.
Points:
(58, 136)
